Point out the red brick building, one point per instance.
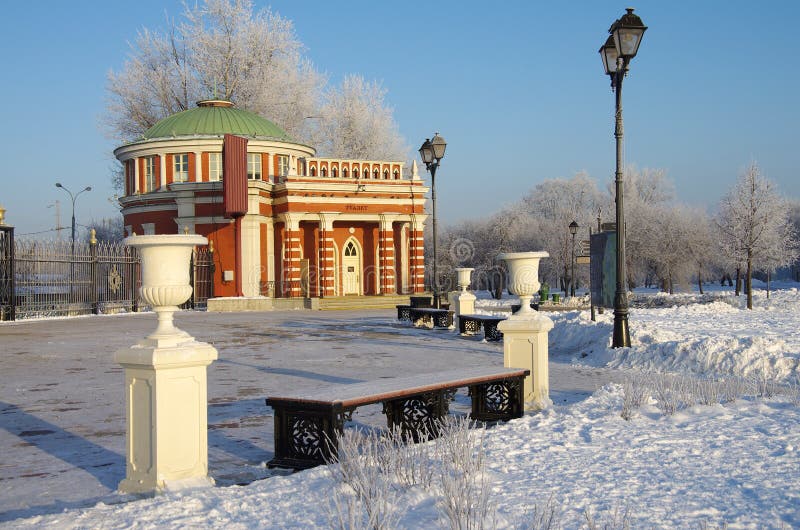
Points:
(312, 227)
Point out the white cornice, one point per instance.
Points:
(193, 144)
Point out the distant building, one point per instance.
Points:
(312, 227)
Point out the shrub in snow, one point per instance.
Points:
(373, 468)
(634, 392)
(546, 516)
(618, 520)
(676, 392)
(465, 486)
(364, 496)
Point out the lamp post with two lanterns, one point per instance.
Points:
(617, 52)
(432, 152)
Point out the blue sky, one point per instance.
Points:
(515, 87)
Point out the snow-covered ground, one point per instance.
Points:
(735, 463)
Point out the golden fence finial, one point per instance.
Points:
(2, 215)
(93, 236)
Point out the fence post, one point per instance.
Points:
(8, 301)
(94, 276)
(211, 268)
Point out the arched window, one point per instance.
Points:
(324, 172)
(366, 173)
(335, 172)
(344, 172)
(396, 174)
(350, 250)
(385, 174)
(313, 171)
(375, 174)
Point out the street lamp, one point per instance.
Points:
(74, 198)
(573, 229)
(432, 152)
(617, 52)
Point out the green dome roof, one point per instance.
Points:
(214, 118)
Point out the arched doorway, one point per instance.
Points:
(351, 267)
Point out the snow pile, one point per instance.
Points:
(734, 464)
(717, 339)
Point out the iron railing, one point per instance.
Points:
(56, 278)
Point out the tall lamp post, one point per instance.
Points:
(432, 152)
(617, 52)
(74, 198)
(573, 229)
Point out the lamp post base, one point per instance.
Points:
(622, 336)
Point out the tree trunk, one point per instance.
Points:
(748, 285)
(498, 288)
(700, 279)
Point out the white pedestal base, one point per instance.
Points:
(462, 303)
(525, 346)
(166, 411)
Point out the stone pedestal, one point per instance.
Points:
(167, 419)
(462, 302)
(525, 346)
(525, 332)
(165, 378)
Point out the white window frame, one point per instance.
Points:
(283, 165)
(180, 163)
(254, 166)
(215, 167)
(149, 173)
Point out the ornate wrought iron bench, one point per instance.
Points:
(403, 312)
(306, 425)
(428, 316)
(470, 324)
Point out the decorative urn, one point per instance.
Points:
(523, 273)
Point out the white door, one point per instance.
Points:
(351, 269)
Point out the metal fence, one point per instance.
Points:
(56, 278)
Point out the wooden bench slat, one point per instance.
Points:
(358, 394)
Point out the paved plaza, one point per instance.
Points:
(62, 425)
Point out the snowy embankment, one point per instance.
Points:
(736, 463)
(717, 338)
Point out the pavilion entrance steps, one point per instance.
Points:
(389, 301)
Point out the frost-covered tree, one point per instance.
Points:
(700, 244)
(226, 49)
(554, 204)
(355, 122)
(223, 49)
(754, 225)
(647, 193)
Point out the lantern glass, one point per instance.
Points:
(608, 52)
(628, 32)
(439, 145)
(426, 151)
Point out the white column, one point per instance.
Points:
(135, 175)
(162, 170)
(198, 166)
(251, 249)
(270, 257)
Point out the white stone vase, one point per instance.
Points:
(523, 272)
(464, 277)
(165, 280)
